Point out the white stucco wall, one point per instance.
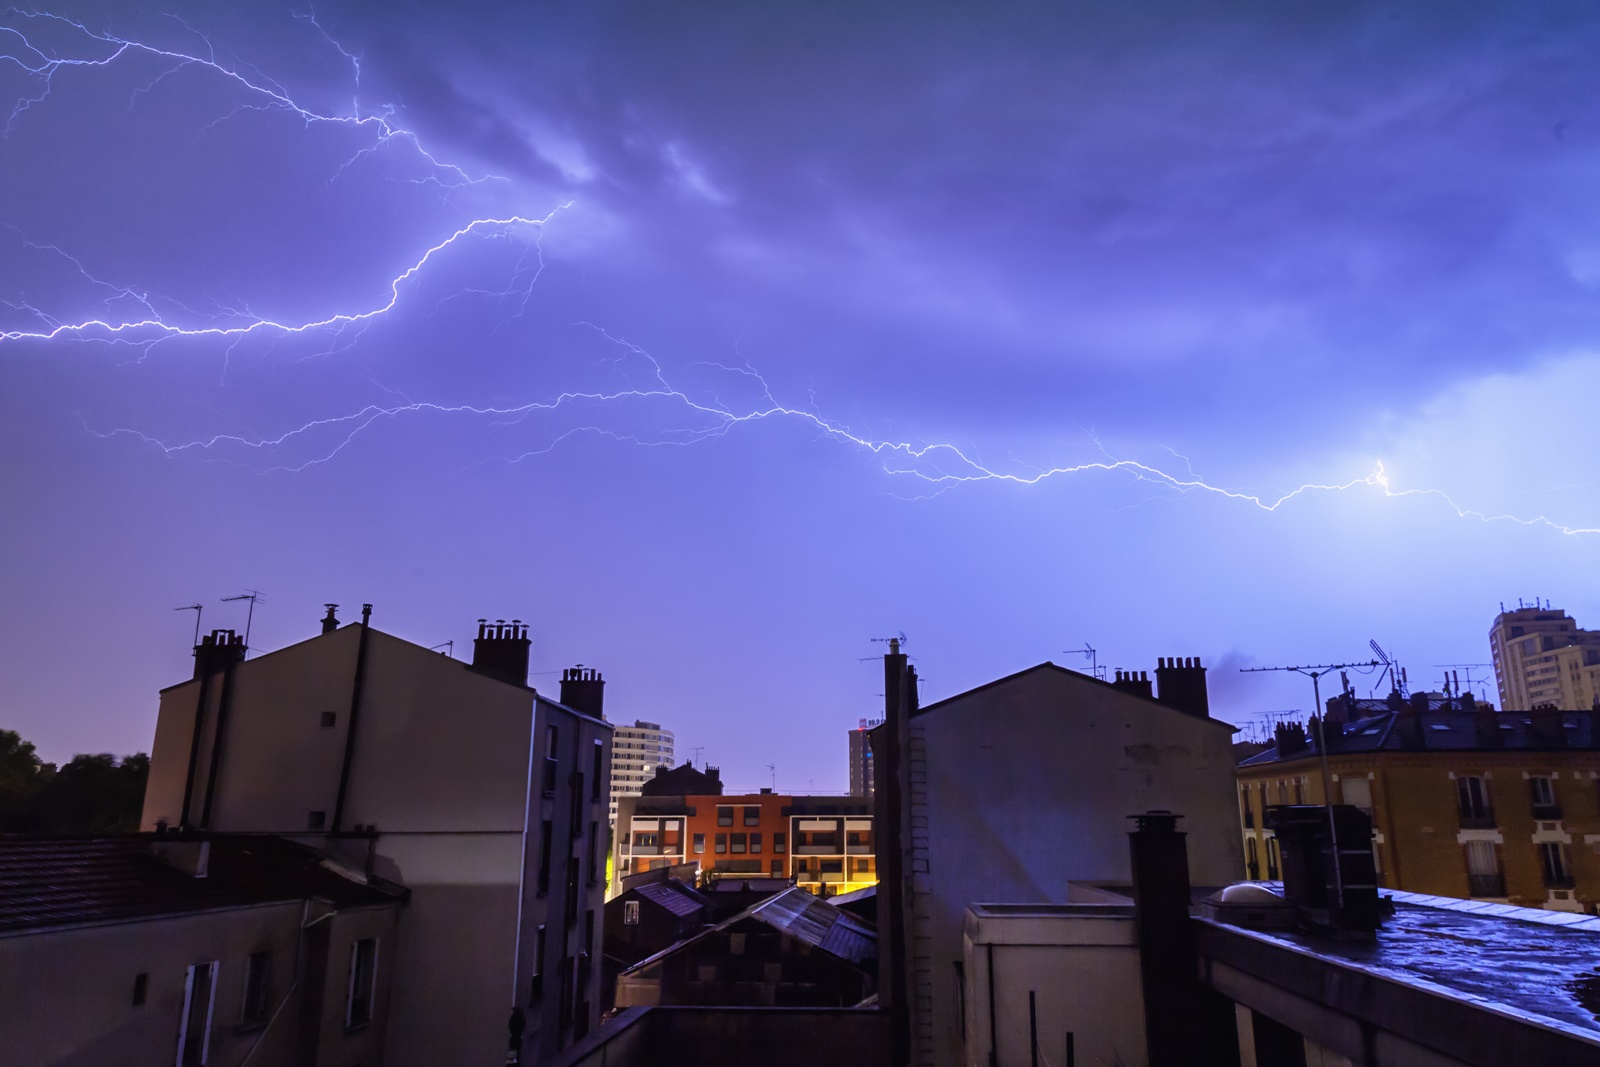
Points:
(1029, 783)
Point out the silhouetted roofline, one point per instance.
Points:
(1076, 675)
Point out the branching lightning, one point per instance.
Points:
(935, 467)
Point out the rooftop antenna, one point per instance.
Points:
(1095, 669)
(1391, 668)
(1468, 667)
(895, 643)
(1315, 673)
(697, 750)
(252, 596)
(773, 770)
(450, 650)
(197, 609)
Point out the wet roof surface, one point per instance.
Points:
(676, 897)
(1531, 968)
(1448, 730)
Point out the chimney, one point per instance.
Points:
(1345, 901)
(1137, 684)
(501, 650)
(330, 621)
(1488, 729)
(218, 650)
(1167, 970)
(189, 855)
(715, 775)
(1466, 701)
(1291, 739)
(1181, 684)
(582, 689)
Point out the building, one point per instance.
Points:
(637, 752)
(825, 844)
(1464, 801)
(456, 780)
(1542, 659)
(159, 950)
(789, 950)
(862, 780)
(646, 918)
(1009, 792)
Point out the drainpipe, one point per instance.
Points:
(350, 722)
(194, 745)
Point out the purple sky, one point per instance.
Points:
(820, 300)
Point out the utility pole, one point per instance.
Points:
(1315, 673)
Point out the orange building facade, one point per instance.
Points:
(823, 844)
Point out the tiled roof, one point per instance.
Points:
(1442, 731)
(801, 915)
(675, 896)
(63, 881)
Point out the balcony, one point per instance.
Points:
(1479, 821)
(1546, 811)
(653, 850)
(858, 850)
(1486, 885)
(1559, 881)
(825, 850)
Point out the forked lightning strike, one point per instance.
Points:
(940, 466)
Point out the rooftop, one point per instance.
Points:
(1453, 731)
(63, 881)
(802, 916)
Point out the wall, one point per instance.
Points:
(1081, 963)
(1029, 783)
(68, 993)
(771, 1037)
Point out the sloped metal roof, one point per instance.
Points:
(675, 896)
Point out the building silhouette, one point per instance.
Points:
(1543, 660)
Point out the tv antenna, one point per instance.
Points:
(1315, 673)
(197, 609)
(450, 650)
(1450, 676)
(252, 596)
(773, 770)
(1095, 669)
(1391, 668)
(697, 750)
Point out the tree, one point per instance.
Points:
(23, 776)
(93, 794)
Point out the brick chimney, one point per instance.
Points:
(1130, 682)
(1181, 684)
(217, 650)
(501, 650)
(582, 689)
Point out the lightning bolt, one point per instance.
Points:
(936, 467)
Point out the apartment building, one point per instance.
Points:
(1464, 801)
(485, 799)
(1543, 660)
(637, 752)
(823, 844)
(862, 779)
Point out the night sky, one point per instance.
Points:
(716, 341)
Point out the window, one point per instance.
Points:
(755, 842)
(833, 866)
(544, 857)
(777, 868)
(577, 804)
(1252, 863)
(1553, 863)
(752, 816)
(316, 820)
(724, 816)
(1474, 802)
(1272, 859)
(536, 983)
(1357, 793)
(594, 851)
(1246, 814)
(721, 844)
(630, 913)
(699, 844)
(1542, 791)
(738, 844)
(1299, 792)
(780, 841)
(572, 891)
(329, 718)
(1483, 870)
(141, 989)
(199, 997)
(547, 777)
(736, 944)
(961, 995)
(258, 969)
(599, 768)
(363, 969)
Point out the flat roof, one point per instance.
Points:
(1517, 961)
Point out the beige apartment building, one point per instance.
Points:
(1543, 660)
(486, 800)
